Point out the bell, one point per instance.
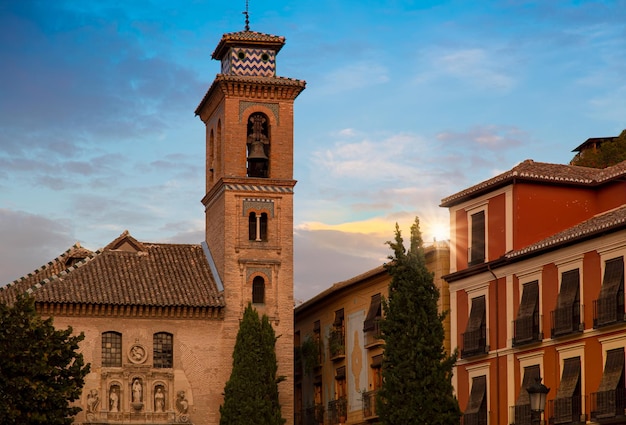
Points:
(257, 151)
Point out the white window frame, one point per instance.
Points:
(471, 210)
(474, 371)
(567, 352)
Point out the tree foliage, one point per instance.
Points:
(251, 393)
(607, 154)
(41, 372)
(417, 372)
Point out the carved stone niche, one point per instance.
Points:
(138, 394)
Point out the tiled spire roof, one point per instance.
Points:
(247, 38)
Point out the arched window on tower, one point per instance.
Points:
(258, 290)
(252, 226)
(257, 227)
(258, 144)
(263, 227)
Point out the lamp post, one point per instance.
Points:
(537, 393)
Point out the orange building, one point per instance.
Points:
(338, 346)
(537, 290)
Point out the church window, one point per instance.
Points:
(112, 349)
(257, 227)
(258, 144)
(163, 350)
(258, 290)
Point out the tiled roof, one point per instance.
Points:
(74, 257)
(380, 270)
(339, 286)
(607, 221)
(129, 273)
(530, 170)
(280, 82)
(247, 38)
(593, 141)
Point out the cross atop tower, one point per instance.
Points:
(247, 28)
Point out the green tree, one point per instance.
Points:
(609, 153)
(41, 372)
(251, 393)
(417, 372)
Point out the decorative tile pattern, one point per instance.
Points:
(255, 188)
(250, 62)
(258, 204)
(244, 104)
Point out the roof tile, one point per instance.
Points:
(156, 274)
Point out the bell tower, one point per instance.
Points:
(248, 114)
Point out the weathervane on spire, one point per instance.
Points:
(247, 17)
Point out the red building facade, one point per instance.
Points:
(537, 290)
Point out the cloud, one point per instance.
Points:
(354, 76)
(487, 137)
(343, 255)
(84, 78)
(351, 248)
(369, 159)
(29, 241)
(478, 68)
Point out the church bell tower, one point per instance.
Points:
(248, 113)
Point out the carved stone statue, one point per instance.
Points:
(159, 400)
(92, 401)
(114, 400)
(182, 405)
(137, 391)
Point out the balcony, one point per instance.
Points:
(337, 411)
(520, 414)
(566, 411)
(474, 342)
(337, 344)
(566, 320)
(369, 404)
(608, 311)
(526, 330)
(478, 418)
(373, 337)
(608, 406)
(314, 415)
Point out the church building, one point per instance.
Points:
(160, 320)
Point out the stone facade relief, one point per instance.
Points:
(137, 393)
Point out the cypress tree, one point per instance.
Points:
(251, 393)
(417, 372)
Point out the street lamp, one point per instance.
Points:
(537, 393)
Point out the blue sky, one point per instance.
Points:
(407, 102)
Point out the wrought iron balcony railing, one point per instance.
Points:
(566, 320)
(474, 342)
(606, 405)
(526, 330)
(608, 310)
(314, 415)
(369, 404)
(337, 411)
(566, 410)
(337, 343)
